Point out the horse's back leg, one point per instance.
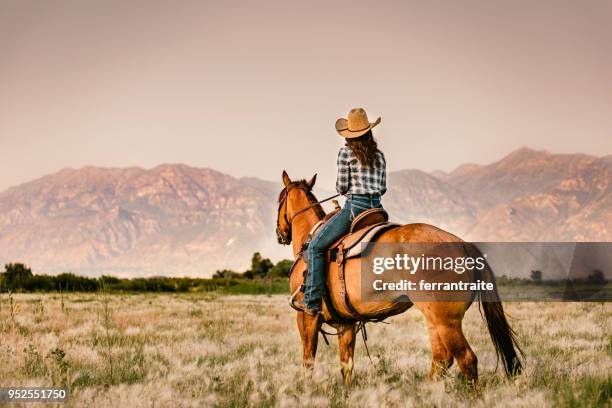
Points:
(346, 345)
(451, 334)
(441, 357)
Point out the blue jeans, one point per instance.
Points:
(334, 229)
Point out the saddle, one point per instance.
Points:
(364, 224)
(364, 228)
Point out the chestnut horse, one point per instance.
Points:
(299, 211)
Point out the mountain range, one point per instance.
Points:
(179, 220)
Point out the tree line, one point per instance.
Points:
(262, 277)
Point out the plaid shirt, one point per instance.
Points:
(355, 178)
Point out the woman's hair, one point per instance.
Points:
(365, 149)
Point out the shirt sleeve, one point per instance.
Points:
(383, 178)
(342, 181)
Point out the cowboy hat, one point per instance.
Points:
(356, 125)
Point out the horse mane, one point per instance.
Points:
(303, 185)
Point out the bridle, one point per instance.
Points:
(285, 238)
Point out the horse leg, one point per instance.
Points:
(346, 345)
(441, 357)
(309, 331)
(451, 334)
(300, 324)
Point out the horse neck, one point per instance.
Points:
(304, 222)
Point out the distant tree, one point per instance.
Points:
(109, 280)
(15, 275)
(596, 276)
(183, 284)
(36, 283)
(536, 276)
(260, 266)
(226, 273)
(74, 283)
(281, 269)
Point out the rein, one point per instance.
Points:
(285, 239)
(310, 206)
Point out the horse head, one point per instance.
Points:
(289, 201)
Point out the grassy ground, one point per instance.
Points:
(206, 349)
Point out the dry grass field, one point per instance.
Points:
(207, 350)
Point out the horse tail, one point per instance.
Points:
(503, 336)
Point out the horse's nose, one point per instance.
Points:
(279, 236)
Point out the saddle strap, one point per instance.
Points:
(340, 262)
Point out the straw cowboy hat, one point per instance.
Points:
(356, 125)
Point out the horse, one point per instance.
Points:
(299, 211)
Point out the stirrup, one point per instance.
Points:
(292, 299)
(301, 308)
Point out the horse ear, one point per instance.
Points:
(286, 178)
(311, 183)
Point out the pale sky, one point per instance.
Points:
(251, 88)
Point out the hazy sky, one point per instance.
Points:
(254, 87)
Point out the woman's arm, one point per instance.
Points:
(383, 178)
(342, 181)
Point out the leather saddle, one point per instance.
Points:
(365, 225)
(364, 228)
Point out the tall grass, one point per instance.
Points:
(209, 349)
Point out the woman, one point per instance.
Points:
(362, 179)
